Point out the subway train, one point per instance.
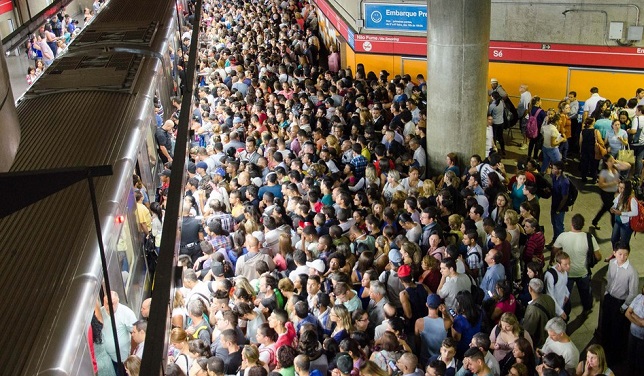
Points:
(93, 106)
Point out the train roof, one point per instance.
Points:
(104, 92)
(34, 272)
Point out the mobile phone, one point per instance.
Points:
(452, 312)
(490, 293)
(392, 365)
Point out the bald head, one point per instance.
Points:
(145, 308)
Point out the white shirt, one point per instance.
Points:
(559, 292)
(591, 103)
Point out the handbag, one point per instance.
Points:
(626, 155)
(600, 150)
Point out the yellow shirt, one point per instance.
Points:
(143, 217)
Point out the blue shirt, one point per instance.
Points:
(603, 125)
(276, 190)
(494, 274)
(560, 188)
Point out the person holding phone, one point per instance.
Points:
(466, 320)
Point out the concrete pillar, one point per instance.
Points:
(458, 38)
(9, 127)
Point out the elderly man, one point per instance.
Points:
(124, 318)
(558, 342)
(540, 309)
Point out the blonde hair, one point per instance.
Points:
(133, 365)
(285, 285)
(598, 350)
(178, 300)
(455, 221)
(370, 368)
(370, 173)
(243, 283)
(251, 353)
(178, 335)
(381, 242)
(512, 216)
(344, 316)
(333, 143)
(428, 189)
(510, 318)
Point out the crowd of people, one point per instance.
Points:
(316, 241)
(52, 39)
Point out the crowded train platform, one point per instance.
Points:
(316, 240)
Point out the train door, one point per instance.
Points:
(612, 84)
(413, 66)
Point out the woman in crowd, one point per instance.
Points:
(511, 221)
(183, 357)
(466, 323)
(496, 109)
(595, 363)
(505, 334)
(624, 208)
(608, 183)
(523, 353)
(505, 301)
(132, 365)
(516, 191)
(502, 205)
(342, 318)
(587, 162)
(616, 138)
(389, 349)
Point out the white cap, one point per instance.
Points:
(494, 80)
(317, 265)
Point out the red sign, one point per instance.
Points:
(500, 51)
(391, 44)
(6, 6)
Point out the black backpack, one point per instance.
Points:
(573, 193)
(555, 278)
(477, 292)
(510, 114)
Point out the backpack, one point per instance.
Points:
(637, 222)
(510, 114)
(555, 278)
(532, 126)
(590, 254)
(477, 292)
(573, 193)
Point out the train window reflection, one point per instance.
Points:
(125, 253)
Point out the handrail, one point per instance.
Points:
(154, 353)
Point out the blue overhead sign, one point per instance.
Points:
(395, 17)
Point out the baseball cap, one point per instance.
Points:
(404, 271)
(395, 257)
(166, 172)
(217, 269)
(433, 301)
(317, 265)
(202, 164)
(192, 168)
(494, 80)
(344, 363)
(220, 171)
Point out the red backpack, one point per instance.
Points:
(532, 127)
(637, 222)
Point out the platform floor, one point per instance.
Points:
(582, 329)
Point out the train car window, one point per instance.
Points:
(126, 255)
